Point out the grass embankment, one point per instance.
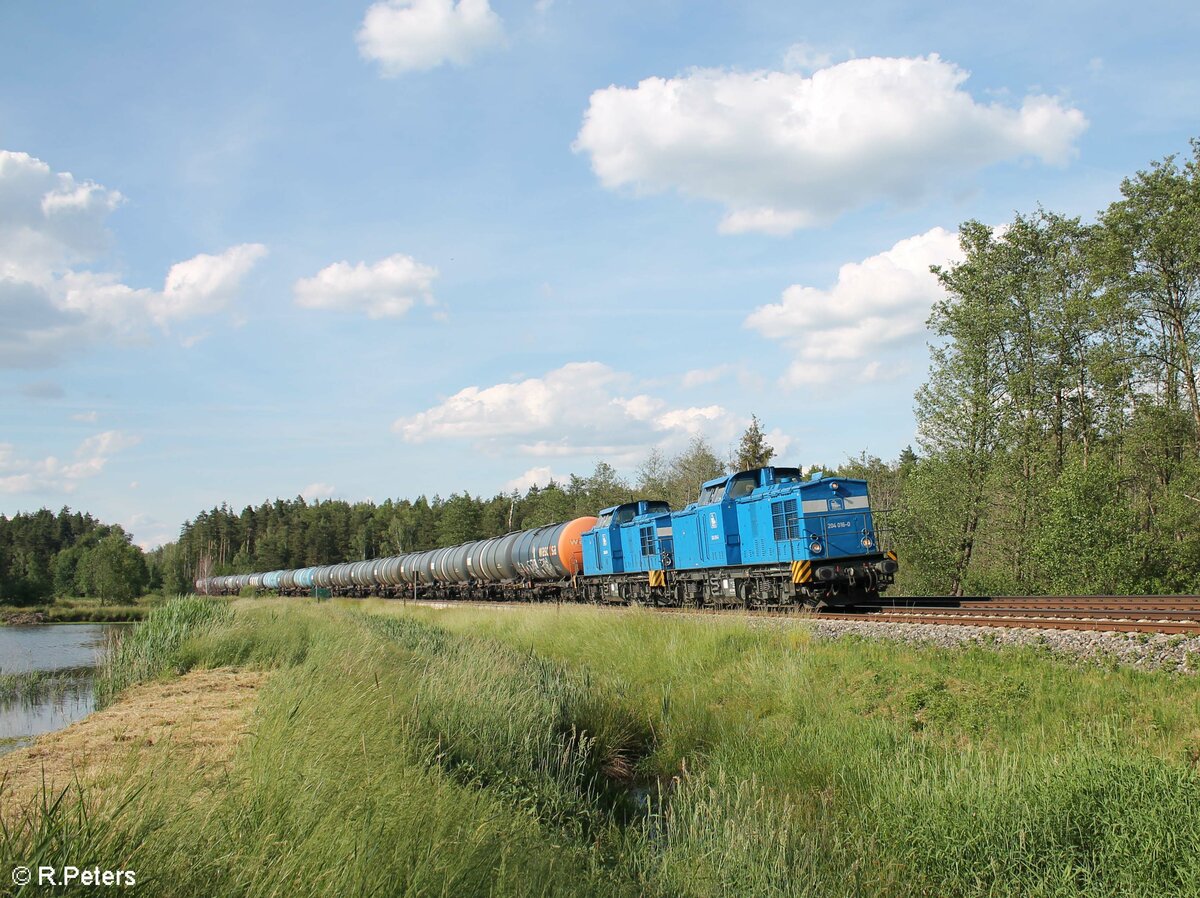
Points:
(543, 752)
(79, 610)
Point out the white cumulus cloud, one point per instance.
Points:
(50, 226)
(539, 476)
(317, 491)
(785, 150)
(876, 305)
(386, 289)
(414, 35)
(581, 409)
(204, 283)
(52, 474)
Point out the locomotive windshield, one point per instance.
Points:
(787, 475)
(743, 484)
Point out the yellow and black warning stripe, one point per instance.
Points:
(658, 578)
(890, 554)
(801, 571)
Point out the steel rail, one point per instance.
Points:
(1032, 613)
(1059, 623)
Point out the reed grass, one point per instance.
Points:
(150, 649)
(30, 689)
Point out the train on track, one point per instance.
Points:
(763, 538)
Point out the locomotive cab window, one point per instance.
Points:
(787, 475)
(625, 514)
(743, 484)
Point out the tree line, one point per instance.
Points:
(69, 554)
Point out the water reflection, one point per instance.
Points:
(46, 675)
(52, 646)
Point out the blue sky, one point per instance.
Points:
(370, 250)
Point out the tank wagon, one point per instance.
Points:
(755, 539)
(537, 564)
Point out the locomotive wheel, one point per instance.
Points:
(745, 593)
(681, 594)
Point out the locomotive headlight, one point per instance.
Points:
(867, 542)
(816, 548)
(833, 486)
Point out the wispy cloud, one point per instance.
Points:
(51, 474)
(50, 226)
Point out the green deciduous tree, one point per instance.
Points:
(1088, 542)
(960, 409)
(1151, 255)
(113, 570)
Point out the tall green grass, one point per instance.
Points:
(798, 767)
(149, 649)
(564, 752)
(358, 778)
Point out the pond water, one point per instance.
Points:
(46, 674)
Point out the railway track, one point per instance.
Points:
(1175, 615)
(1128, 614)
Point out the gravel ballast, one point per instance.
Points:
(1145, 651)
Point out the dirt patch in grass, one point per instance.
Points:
(197, 720)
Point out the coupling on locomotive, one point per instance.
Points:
(761, 538)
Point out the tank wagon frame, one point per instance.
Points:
(764, 538)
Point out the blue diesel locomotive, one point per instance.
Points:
(760, 538)
(764, 538)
